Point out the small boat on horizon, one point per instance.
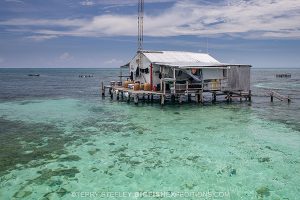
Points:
(86, 76)
(33, 74)
(284, 75)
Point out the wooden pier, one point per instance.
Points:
(196, 95)
(278, 96)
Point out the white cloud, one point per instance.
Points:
(238, 18)
(128, 2)
(14, 1)
(87, 3)
(65, 56)
(40, 38)
(45, 22)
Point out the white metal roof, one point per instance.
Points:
(179, 57)
(183, 59)
(199, 65)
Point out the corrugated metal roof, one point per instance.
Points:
(199, 65)
(190, 64)
(179, 57)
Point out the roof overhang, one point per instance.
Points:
(199, 65)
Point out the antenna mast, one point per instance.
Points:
(140, 24)
(140, 30)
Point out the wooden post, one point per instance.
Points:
(189, 96)
(162, 99)
(201, 97)
(249, 97)
(197, 98)
(271, 96)
(151, 98)
(187, 87)
(128, 98)
(174, 82)
(214, 97)
(103, 89)
(180, 99)
(172, 98)
(288, 99)
(202, 87)
(227, 96)
(136, 99)
(111, 94)
(160, 71)
(118, 97)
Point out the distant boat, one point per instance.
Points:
(86, 76)
(284, 75)
(33, 74)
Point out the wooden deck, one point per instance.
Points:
(122, 89)
(180, 96)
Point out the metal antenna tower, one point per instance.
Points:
(140, 31)
(140, 24)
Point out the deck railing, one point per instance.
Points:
(213, 85)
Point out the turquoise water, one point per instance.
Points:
(71, 144)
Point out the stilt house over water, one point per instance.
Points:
(178, 72)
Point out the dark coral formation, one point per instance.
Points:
(24, 142)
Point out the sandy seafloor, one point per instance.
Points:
(60, 140)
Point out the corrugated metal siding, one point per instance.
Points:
(212, 74)
(179, 57)
(239, 78)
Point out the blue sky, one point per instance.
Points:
(102, 33)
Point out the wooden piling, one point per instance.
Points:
(118, 92)
(136, 99)
(201, 96)
(189, 98)
(197, 97)
(102, 89)
(240, 96)
(249, 95)
(271, 97)
(118, 97)
(227, 97)
(162, 99)
(128, 98)
(214, 97)
(180, 99)
(173, 98)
